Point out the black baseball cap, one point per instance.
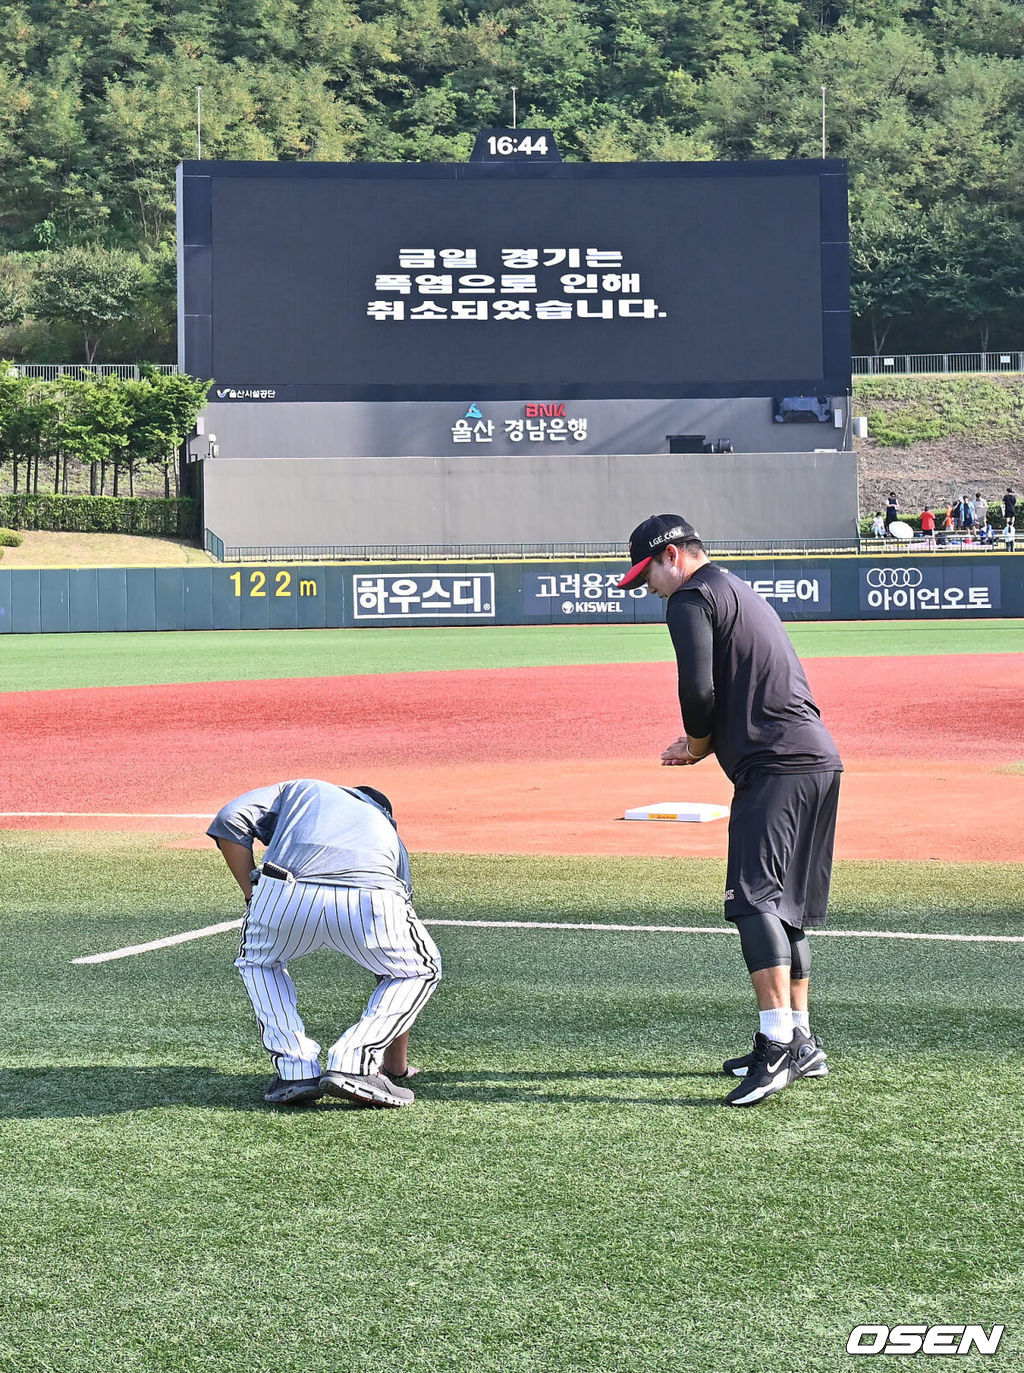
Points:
(656, 533)
(376, 796)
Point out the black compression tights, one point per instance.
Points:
(768, 942)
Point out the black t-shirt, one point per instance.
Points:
(1009, 505)
(741, 682)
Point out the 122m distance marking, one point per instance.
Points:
(282, 585)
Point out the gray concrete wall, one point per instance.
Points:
(313, 429)
(531, 497)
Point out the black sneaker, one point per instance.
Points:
(808, 1051)
(772, 1067)
(809, 1055)
(366, 1089)
(298, 1091)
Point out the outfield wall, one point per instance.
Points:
(544, 591)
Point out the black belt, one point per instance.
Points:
(272, 870)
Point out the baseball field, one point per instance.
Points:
(568, 1192)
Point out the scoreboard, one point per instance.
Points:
(515, 280)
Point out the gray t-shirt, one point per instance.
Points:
(319, 833)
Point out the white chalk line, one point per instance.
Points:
(225, 925)
(188, 935)
(99, 815)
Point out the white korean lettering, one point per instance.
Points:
(511, 309)
(428, 311)
(386, 309)
(434, 285)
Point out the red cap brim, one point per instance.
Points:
(635, 572)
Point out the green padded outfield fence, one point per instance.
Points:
(539, 591)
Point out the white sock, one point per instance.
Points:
(802, 1021)
(777, 1024)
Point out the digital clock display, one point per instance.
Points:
(515, 145)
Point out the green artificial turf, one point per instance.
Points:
(35, 662)
(566, 1194)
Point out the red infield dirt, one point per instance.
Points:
(529, 760)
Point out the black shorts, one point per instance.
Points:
(782, 829)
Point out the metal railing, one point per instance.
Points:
(405, 552)
(725, 548)
(51, 371)
(896, 364)
(213, 545)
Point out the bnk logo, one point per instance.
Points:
(923, 1339)
(534, 410)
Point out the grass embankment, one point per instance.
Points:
(935, 438)
(567, 1194)
(902, 411)
(41, 548)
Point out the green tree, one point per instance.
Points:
(26, 419)
(91, 287)
(890, 256)
(166, 407)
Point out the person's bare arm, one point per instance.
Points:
(240, 862)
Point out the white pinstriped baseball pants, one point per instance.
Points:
(378, 929)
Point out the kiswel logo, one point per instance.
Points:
(924, 1339)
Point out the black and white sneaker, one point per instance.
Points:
(772, 1067)
(299, 1091)
(366, 1089)
(808, 1051)
(809, 1055)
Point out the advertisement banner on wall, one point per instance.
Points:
(905, 588)
(804, 594)
(590, 594)
(424, 596)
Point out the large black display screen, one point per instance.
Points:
(435, 282)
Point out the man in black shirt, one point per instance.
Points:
(744, 697)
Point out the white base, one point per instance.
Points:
(678, 810)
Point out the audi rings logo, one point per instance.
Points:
(894, 576)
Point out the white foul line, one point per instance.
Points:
(98, 815)
(573, 925)
(160, 943)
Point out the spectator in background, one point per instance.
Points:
(980, 510)
(968, 512)
(928, 527)
(878, 526)
(958, 513)
(892, 510)
(949, 522)
(1009, 535)
(1010, 506)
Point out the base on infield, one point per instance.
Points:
(698, 811)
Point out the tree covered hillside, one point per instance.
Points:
(926, 100)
